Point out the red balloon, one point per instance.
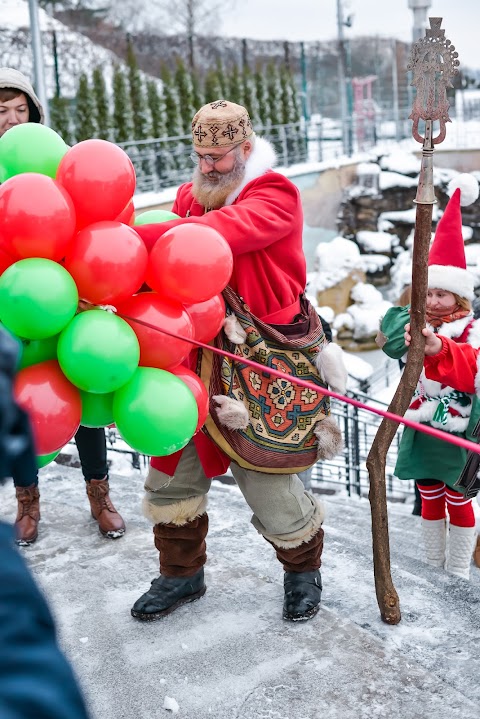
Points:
(37, 217)
(127, 215)
(5, 260)
(198, 389)
(190, 263)
(52, 403)
(207, 317)
(100, 179)
(108, 261)
(157, 349)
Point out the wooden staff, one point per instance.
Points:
(433, 63)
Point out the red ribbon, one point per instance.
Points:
(426, 429)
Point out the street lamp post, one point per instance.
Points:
(38, 65)
(344, 82)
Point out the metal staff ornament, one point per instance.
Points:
(433, 63)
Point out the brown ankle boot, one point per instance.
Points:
(110, 523)
(28, 514)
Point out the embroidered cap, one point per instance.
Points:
(447, 267)
(221, 124)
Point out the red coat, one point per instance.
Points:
(263, 227)
(456, 365)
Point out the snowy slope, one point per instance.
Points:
(230, 655)
(76, 52)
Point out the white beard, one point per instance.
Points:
(212, 190)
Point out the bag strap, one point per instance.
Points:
(314, 335)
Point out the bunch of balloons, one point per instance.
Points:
(83, 296)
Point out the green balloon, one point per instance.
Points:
(35, 351)
(155, 412)
(97, 409)
(44, 459)
(31, 147)
(98, 351)
(152, 217)
(38, 298)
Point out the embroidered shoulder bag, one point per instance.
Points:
(281, 435)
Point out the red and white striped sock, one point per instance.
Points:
(460, 509)
(433, 501)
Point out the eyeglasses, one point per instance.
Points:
(197, 159)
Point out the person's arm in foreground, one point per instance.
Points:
(454, 364)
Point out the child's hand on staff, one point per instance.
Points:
(433, 343)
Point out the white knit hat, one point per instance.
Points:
(17, 81)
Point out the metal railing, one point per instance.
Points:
(347, 471)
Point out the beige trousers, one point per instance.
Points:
(283, 511)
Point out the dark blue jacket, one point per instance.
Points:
(36, 682)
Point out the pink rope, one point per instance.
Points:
(432, 431)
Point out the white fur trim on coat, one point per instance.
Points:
(329, 362)
(262, 158)
(301, 536)
(330, 440)
(231, 412)
(179, 513)
(234, 330)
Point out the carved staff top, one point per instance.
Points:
(433, 62)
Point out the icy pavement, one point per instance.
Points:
(230, 655)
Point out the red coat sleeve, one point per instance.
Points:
(455, 365)
(261, 216)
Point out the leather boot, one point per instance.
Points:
(110, 523)
(28, 514)
(302, 581)
(182, 556)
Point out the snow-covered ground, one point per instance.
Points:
(230, 655)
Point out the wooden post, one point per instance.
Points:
(433, 63)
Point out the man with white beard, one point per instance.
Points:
(258, 211)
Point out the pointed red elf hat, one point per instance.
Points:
(447, 268)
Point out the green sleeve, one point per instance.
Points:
(392, 330)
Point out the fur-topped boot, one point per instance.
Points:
(182, 547)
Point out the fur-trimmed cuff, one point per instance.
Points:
(330, 440)
(329, 362)
(231, 412)
(234, 330)
(295, 539)
(179, 513)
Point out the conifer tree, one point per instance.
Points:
(177, 151)
(60, 118)
(102, 114)
(212, 87)
(184, 86)
(274, 94)
(156, 106)
(122, 111)
(250, 96)
(137, 97)
(85, 126)
(198, 98)
(262, 97)
(290, 115)
(235, 86)
(172, 109)
(222, 80)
